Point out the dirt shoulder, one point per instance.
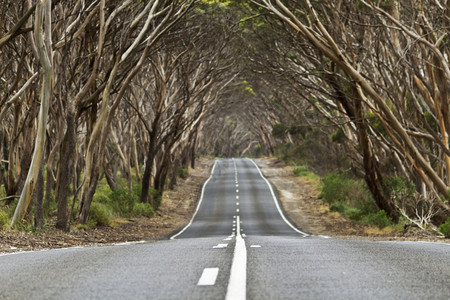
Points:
(300, 201)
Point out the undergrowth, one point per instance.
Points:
(352, 198)
(445, 228)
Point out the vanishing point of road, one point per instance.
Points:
(238, 245)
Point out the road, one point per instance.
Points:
(239, 245)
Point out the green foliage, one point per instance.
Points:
(337, 187)
(338, 207)
(338, 136)
(4, 220)
(257, 150)
(99, 215)
(123, 200)
(379, 219)
(376, 123)
(279, 130)
(2, 191)
(351, 198)
(397, 185)
(143, 209)
(445, 228)
(430, 120)
(183, 173)
(301, 171)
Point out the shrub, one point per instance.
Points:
(338, 206)
(99, 215)
(143, 209)
(101, 198)
(354, 214)
(4, 220)
(183, 173)
(123, 201)
(336, 188)
(301, 171)
(379, 219)
(445, 228)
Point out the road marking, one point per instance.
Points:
(276, 201)
(237, 203)
(209, 276)
(237, 209)
(199, 203)
(220, 246)
(237, 285)
(237, 191)
(237, 197)
(255, 246)
(228, 239)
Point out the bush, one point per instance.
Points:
(183, 173)
(380, 219)
(143, 209)
(336, 188)
(301, 171)
(99, 215)
(123, 201)
(338, 207)
(4, 220)
(445, 228)
(101, 198)
(354, 214)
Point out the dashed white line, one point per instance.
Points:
(220, 246)
(209, 276)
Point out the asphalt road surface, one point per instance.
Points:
(238, 245)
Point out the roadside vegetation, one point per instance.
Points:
(109, 206)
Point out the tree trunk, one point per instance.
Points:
(43, 41)
(66, 169)
(373, 174)
(39, 200)
(148, 170)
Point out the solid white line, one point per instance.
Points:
(237, 285)
(276, 201)
(209, 276)
(199, 203)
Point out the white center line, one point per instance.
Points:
(209, 276)
(237, 285)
